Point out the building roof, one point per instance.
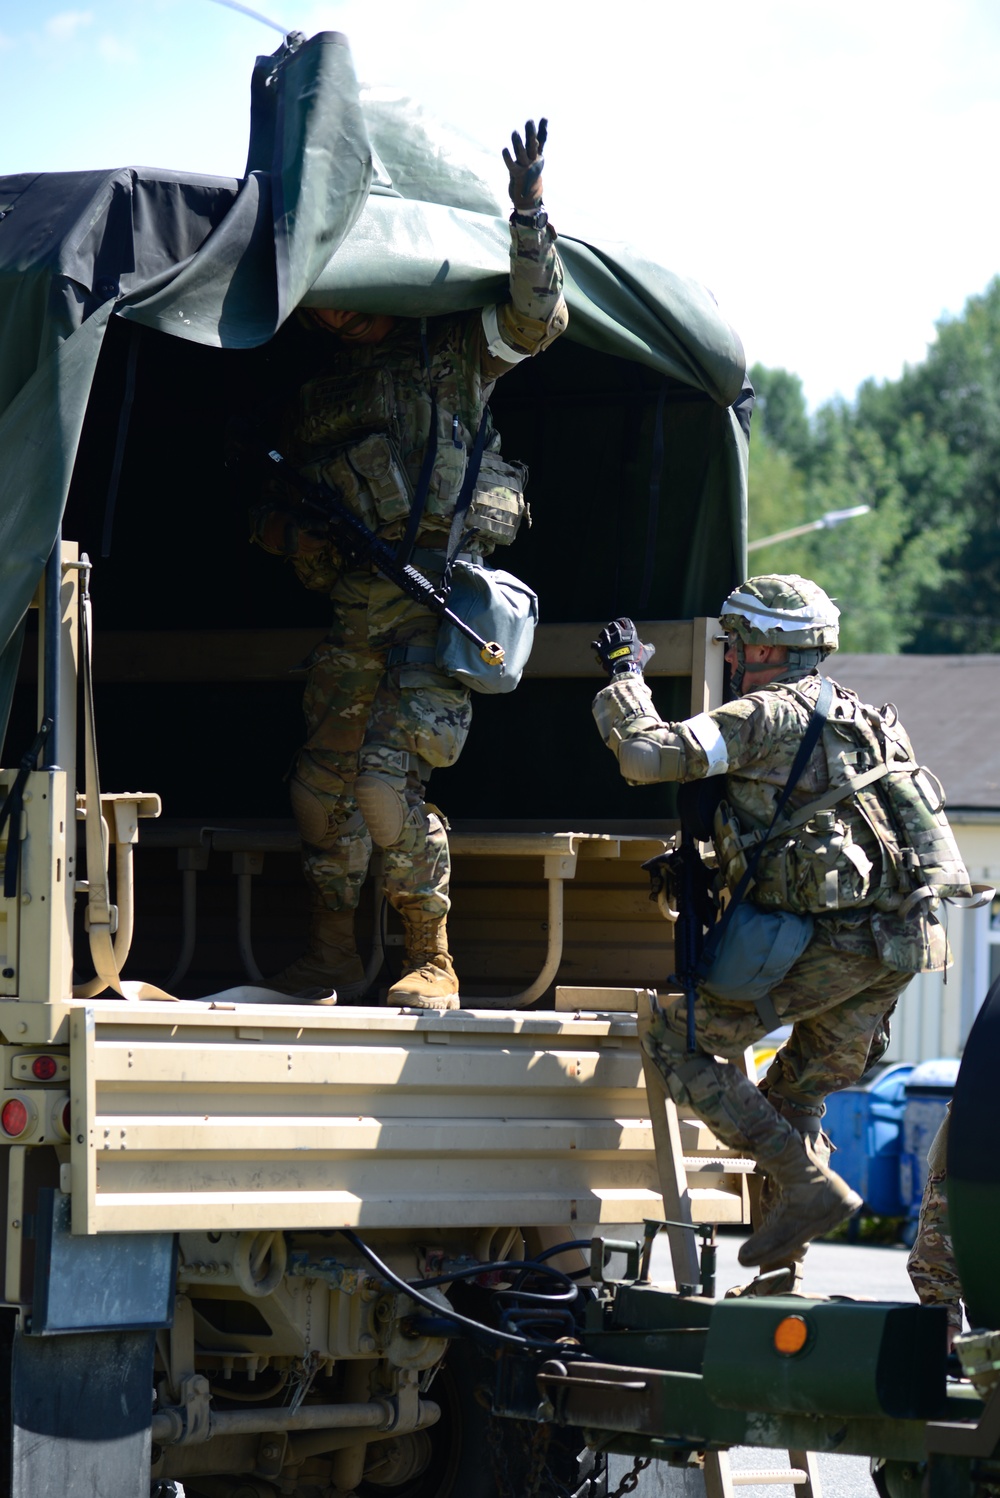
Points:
(950, 707)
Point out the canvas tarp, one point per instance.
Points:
(223, 263)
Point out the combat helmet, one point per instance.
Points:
(782, 609)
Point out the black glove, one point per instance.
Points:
(525, 166)
(619, 649)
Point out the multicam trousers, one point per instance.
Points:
(835, 1002)
(365, 711)
(931, 1262)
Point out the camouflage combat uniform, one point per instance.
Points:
(838, 994)
(374, 701)
(931, 1262)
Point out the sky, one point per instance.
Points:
(827, 171)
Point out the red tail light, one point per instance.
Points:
(14, 1117)
(44, 1068)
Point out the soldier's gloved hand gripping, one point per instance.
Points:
(525, 167)
(619, 649)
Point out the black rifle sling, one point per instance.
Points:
(465, 495)
(409, 540)
(810, 739)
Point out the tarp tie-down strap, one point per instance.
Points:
(124, 417)
(652, 519)
(12, 807)
(99, 907)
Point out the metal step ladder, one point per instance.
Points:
(721, 1480)
(688, 1159)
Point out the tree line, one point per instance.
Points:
(921, 572)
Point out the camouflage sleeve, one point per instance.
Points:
(649, 750)
(316, 563)
(931, 1263)
(536, 313)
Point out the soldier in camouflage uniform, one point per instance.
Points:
(379, 714)
(843, 865)
(931, 1261)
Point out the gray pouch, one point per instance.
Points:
(756, 951)
(498, 606)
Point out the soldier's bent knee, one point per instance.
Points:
(322, 819)
(384, 806)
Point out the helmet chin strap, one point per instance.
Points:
(800, 662)
(736, 677)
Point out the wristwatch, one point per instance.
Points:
(535, 219)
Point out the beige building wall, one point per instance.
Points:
(936, 1012)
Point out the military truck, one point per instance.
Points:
(258, 1247)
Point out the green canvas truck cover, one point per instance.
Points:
(321, 216)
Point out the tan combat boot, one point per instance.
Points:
(429, 980)
(813, 1200)
(775, 1276)
(330, 963)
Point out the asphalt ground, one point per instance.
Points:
(857, 1269)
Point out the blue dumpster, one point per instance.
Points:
(928, 1092)
(866, 1124)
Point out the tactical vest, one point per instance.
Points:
(878, 836)
(363, 429)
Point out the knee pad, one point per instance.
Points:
(320, 815)
(383, 804)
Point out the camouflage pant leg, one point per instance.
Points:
(931, 1262)
(834, 1001)
(735, 1110)
(370, 713)
(343, 679)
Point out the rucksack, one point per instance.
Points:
(813, 863)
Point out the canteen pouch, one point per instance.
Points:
(498, 506)
(498, 606)
(756, 951)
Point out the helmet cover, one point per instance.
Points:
(782, 609)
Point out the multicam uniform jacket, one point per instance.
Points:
(375, 701)
(364, 425)
(834, 866)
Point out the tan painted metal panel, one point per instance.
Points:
(283, 1117)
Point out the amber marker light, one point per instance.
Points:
(790, 1335)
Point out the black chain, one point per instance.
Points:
(630, 1481)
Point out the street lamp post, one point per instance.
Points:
(824, 523)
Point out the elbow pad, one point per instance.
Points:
(642, 761)
(524, 334)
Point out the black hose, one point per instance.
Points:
(562, 1248)
(520, 1267)
(475, 1328)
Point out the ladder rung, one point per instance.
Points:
(786, 1474)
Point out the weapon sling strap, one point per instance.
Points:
(409, 539)
(768, 1014)
(455, 534)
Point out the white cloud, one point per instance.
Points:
(64, 26)
(114, 50)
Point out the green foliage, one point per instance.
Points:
(780, 412)
(922, 571)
